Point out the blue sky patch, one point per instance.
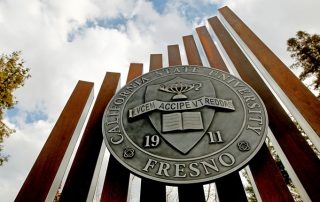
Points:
(10, 113)
(113, 23)
(36, 116)
(191, 13)
(159, 5)
(30, 117)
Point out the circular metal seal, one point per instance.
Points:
(185, 124)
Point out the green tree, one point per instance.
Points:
(12, 76)
(305, 49)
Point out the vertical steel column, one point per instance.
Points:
(116, 182)
(46, 174)
(79, 179)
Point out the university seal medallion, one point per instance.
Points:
(185, 124)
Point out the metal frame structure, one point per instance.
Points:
(228, 45)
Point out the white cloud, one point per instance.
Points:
(276, 21)
(40, 28)
(23, 147)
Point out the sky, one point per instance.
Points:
(66, 41)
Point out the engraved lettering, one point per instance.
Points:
(185, 68)
(180, 105)
(213, 166)
(255, 129)
(130, 88)
(163, 168)
(119, 101)
(150, 164)
(137, 82)
(124, 94)
(238, 84)
(213, 71)
(224, 77)
(115, 129)
(166, 71)
(179, 170)
(231, 79)
(194, 167)
(215, 137)
(143, 79)
(176, 70)
(259, 119)
(206, 100)
(249, 98)
(158, 73)
(117, 141)
(226, 159)
(151, 141)
(244, 90)
(254, 111)
(200, 100)
(113, 113)
(115, 121)
(253, 105)
(187, 105)
(195, 103)
(195, 69)
(114, 108)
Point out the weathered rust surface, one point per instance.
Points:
(174, 55)
(301, 157)
(43, 172)
(214, 58)
(268, 178)
(135, 70)
(191, 50)
(300, 96)
(152, 190)
(79, 178)
(155, 62)
(231, 183)
(115, 187)
(116, 182)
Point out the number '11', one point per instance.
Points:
(215, 137)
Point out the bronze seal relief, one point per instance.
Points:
(185, 124)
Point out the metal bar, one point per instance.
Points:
(212, 53)
(301, 157)
(230, 188)
(174, 55)
(155, 62)
(152, 190)
(46, 174)
(116, 182)
(193, 192)
(189, 193)
(115, 187)
(270, 183)
(135, 70)
(191, 50)
(80, 176)
(96, 174)
(231, 183)
(299, 100)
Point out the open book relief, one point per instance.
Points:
(182, 121)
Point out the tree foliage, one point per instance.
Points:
(305, 49)
(12, 76)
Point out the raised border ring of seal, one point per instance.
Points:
(185, 124)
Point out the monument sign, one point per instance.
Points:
(185, 124)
